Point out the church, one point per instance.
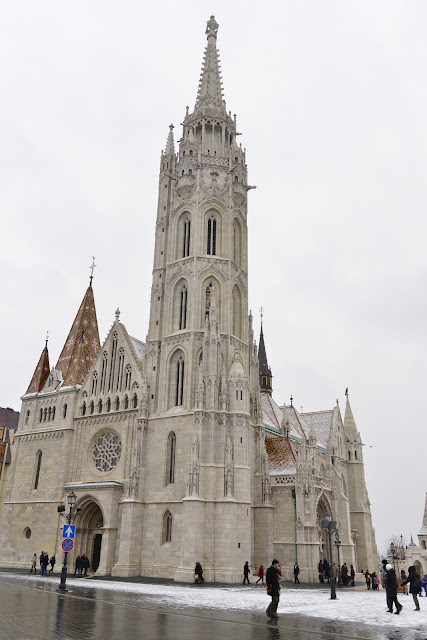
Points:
(174, 446)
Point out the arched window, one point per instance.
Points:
(91, 408)
(120, 369)
(126, 403)
(108, 405)
(84, 409)
(190, 172)
(45, 415)
(103, 371)
(38, 467)
(211, 237)
(94, 383)
(99, 405)
(167, 527)
(53, 413)
(170, 459)
(186, 238)
(27, 417)
(208, 299)
(49, 416)
(237, 243)
(41, 415)
(128, 377)
(349, 455)
(237, 313)
(183, 297)
(135, 401)
(64, 411)
(116, 404)
(355, 455)
(179, 383)
(112, 362)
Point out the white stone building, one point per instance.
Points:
(174, 446)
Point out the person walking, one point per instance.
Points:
(52, 563)
(368, 580)
(198, 574)
(272, 580)
(414, 585)
(352, 575)
(296, 573)
(327, 570)
(391, 585)
(41, 560)
(78, 567)
(423, 581)
(34, 564)
(384, 583)
(85, 564)
(335, 572)
(260, 574)
(321, 570)
(246, 572)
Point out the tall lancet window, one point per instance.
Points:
(186, 238)
(183, 298)
(179, 391)
(38, 467)
(211, 238)
(208, 300)
(237, 313)
(170, 459)
(103, 371)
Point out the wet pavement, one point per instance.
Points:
(31, 609)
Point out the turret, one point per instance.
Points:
(41, 372)
(265, 377)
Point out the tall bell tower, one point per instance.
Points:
(202, 367)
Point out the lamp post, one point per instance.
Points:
(337, 544)
(329, 525)
(69, 517)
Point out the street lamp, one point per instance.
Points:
(69, 517)
(337, 544)
(329, 524)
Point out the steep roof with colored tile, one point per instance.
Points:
(82, 344)
(281, 456)
(40, 374)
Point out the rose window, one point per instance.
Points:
(107, 451)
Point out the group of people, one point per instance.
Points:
(81, 564)
(389, 582)
(44, 563)
(372, 580)
(326, 572)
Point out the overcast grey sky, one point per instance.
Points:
(331, 100)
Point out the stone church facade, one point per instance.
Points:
(174, 446)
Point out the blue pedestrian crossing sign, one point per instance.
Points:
(69, 531)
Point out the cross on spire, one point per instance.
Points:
(292, 401)
(92, 267)
(261, 310)
(47, 338)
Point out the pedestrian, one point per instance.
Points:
(45, 563)
(402, 581)
(78, 567)
(335, 571)
(260, 575)
(352, 575)
(52, 563)
(41, 560)
(391, 585)
(246, 572)
(296, 573)
(85, 564)
(384, 584)
(414, 585)
(344, 574)
(321, 569)
(368, 580)
(272, 580)
(326, 570)
(424, 584)
(198, 574)
(34, 564)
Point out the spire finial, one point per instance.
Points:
(117, 314)
(292, 401)
(346, 392)
(92, 267)
(212, 27)
(261, 311)
(47, 339)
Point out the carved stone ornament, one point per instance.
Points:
(107, 451)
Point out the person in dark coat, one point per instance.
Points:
(326, 570)
(272, 580)
(78, 567)
(352, 575)
(260, 574)
(321, 570)
(296, 573)
(246, 572)
(198, 574)
(344, 574)
(391, 586)
(384, 583)
(85, 564)
(368, 579)
(52, 563)
(414, 585)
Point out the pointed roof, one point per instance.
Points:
(170, 143)
(423, 531)
(209, 93)
(82, 344)
(349, 422)
(41, 372)
(264, 369)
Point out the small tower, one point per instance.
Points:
(265, 377)
(422, 536)
(41, 372)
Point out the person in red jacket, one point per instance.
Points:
(260, 575)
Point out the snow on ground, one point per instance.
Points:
(352, 605)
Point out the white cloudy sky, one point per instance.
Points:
(331, 101)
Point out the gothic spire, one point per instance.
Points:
(41, 372)
(209, 93)
(265, 377)
(170, 143)
(349, 422)
(82, 344)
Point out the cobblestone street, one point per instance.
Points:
(32, 610)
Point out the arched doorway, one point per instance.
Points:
(323, 508)
(89, 532)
